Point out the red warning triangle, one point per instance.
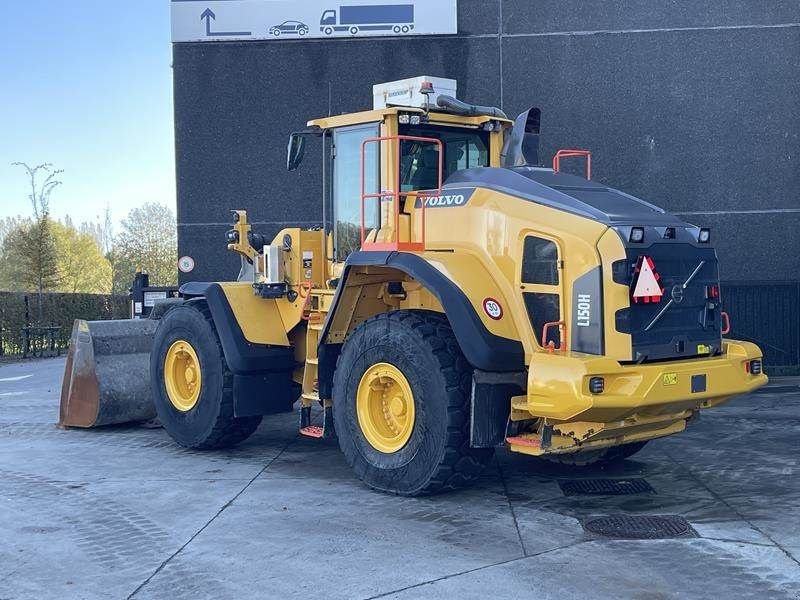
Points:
(645, 286)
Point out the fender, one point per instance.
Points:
(483, 349)
(243, 357)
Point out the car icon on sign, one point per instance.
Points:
(289, 28)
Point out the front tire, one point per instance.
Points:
(401, 405)
(192, 385)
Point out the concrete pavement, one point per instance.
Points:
(124, 513)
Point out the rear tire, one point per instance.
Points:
(437, 455)
(602, 456)
(210, 422)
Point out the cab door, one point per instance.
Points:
(347, 148)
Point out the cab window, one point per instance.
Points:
(419, 161)
(347, 186)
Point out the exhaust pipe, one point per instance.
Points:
(468, 110)
(107, 375)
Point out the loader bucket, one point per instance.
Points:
(107, 376)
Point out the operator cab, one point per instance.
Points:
(426, 143)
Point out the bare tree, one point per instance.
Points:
(39, 247)
(40, 191)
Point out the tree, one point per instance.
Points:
(33, 247)
(29, 260)
(82, 266)
(147, 241)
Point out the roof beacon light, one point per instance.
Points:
(704, 236)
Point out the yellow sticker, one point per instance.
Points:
(670, 379)
(703, 349)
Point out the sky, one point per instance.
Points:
(87, 86)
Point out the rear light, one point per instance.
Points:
(712, 292)
(704, 236)
(597, 385)
(637, 235)
(754, 367)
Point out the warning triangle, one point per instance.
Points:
(647, 286)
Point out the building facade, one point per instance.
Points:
(692, 106)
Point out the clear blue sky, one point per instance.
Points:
(87, 86)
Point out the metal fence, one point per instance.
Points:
(768, 314)
(23, 334)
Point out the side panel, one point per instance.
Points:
(587, 313)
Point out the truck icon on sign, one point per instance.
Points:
(398, 18)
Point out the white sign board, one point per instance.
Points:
(226, 20)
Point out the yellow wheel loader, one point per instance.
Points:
(456, 298)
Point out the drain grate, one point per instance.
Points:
(640, 527)
(605, 487)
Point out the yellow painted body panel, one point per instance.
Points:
(558, 385)
(259, 318)
(489, 232)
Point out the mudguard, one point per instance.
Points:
(242, 356)
(482, 349)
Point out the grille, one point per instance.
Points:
(605, 487)
(640, 527)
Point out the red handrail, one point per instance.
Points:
(562, 336)
(570, 153)
(397, 194)
(726, 329)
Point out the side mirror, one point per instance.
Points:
(522, 144)
(296, 151)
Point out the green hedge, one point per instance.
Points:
(22, 334)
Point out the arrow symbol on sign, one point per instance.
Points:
(208, 15)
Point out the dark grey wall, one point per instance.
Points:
(694, 106)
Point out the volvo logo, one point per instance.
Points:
(453, 200)
(677, 294)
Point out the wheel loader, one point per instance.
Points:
(457, 297)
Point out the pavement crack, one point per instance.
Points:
(736, 511)
(211, 520)
(511, 508)
(476, 569)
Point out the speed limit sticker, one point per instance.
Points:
(493, 308)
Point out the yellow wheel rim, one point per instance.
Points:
(385, 407)
(182, 376)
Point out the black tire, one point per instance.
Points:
(602, 456)
(210, 424)
(438, 456)
(162, 307)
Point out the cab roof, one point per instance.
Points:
(375, 116)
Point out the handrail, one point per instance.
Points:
(397, 195)
(571, 153)
(562, 336)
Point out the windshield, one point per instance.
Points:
(419, 161)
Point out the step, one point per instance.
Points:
(312, 361)
(312, 431)
(314, 396)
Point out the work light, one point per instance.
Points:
(637, 235)
(704, 236)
